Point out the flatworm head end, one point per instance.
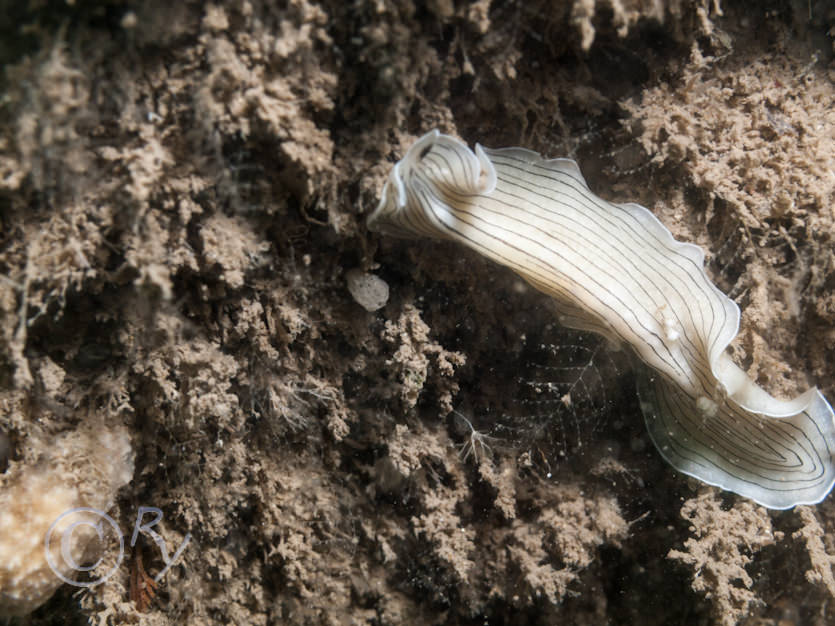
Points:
(434, 166)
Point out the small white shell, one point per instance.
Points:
(369, 291)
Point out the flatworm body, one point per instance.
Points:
(615, 270)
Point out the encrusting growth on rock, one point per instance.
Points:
(82, 468)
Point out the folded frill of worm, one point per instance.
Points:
(614, 269)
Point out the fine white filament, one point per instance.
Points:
(614, 269)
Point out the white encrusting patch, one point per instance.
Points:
(668, 324)
(616, 270)
(707, 406)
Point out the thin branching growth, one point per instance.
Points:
(475, 444)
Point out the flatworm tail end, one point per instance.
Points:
(779, 462)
